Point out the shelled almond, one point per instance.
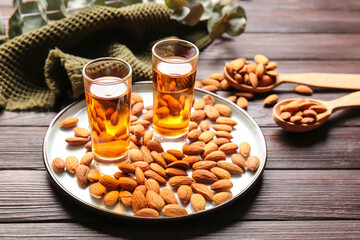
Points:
(140, 181)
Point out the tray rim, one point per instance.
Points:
(110, 213)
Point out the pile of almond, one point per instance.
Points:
(150, 180)
(302, 111)
(260, 73)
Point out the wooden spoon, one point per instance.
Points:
(339, 81)
(350, 100)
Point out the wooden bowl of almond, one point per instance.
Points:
(159, 181)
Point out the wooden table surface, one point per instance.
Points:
(311, 185)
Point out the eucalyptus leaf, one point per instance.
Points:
(235, 26)
(2, 26)
(57, 9)
(194, 12)
(176, 4)
(15, 22)
(233, 8)
(216, 25)
(208, 7)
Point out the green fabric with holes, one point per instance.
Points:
(41, 70)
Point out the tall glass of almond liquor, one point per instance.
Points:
(174, 65)
(107, 83)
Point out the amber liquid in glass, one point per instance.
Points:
(173, 89)
(108, 106)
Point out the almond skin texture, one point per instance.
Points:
(261, 59)
(71, 163)
(192, 126)
(215, 156)
(245, 149)
(226, 121)
(176, 153)
(158, 169)
(94, 176)
(154, 146)
(238, 160)
(179, 164)
(204, 125)
(209, 100)
(199, 104)
(153, 185)
(168, 196)
(147, 154)
(87, 159)
(206, 136)
(222, 197)
(191, 160)
(144, 166)
(209, 81)
(154, 200)
(203, 190)
(137, 109)
(148, 135)
(271, 100)
(209, 148)
(223, 109)
(109, 182)
(174, 210)
(111, 198)
(69, 122)
(207, 165)
(81, 173)
(193, 135)
(204, 176)
(198, 202)
(147, 212)
(172, 172)
(138, 201)
(77, 141)
(58, 165)
(177, 181)
(184, 193)
(220, 173)
(136, 155)
(127, 183)
(126, 198)
(230, 167)
(211, 112)
(197, 116)
(81, 132)
(168, 157)
(220, 141)
(153, 175)
(140, 177)
(242, 102)
(158, 159)
(126, 167)
(222, 185)
(192, 149)
(253, 163)
(228, 147)
(222, 127)
(97, 190)
(304, 90)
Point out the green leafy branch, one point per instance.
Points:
(222, 16)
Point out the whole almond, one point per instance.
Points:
(192, 149)
(140, 177)
(261, 59)
(222, 185)
(58, 165)
(136, 155)
(253, 162)
(97, 190)
(184, 193)
(136, 140)
(238, 64)
(205, 125)
(192, 126)
(94, 176)
(318, 108)
(136, 97)
(271, 66)
(126, 167)
(209, 81)
(87, 159)
(149, 107)
(177, 181)
(179, 164)
(147, 154)
(154, 200)
(217, 76)
(193, 135)
(111, 198)
(158, 169)
(144, 123)
(228, 147)
(174, 210)
(207, 165)
(222, 127)
(271, 100)
(109, 182)
(137, 109)
(215, 156)
(242, 102)
(209, 100)
(220, 141)
(144, 166)
(223, 134)
(77, 141)
(246, 95)
(230, 167)
(147, 212)
(153, 175)
(292, 106)
(238, 160)
(253, 80)
(81, 132)
(203, 190)
(126, 198)
(88, 146)
(245, 149)
(171, 172)
(204, 176)
(302, 89)
(168, 196)
(198, 84)
(210, 88)
(138, 201)
(176, 153)
(198, 202)
(168, 157)
(206, 136)
(162, 112)
(139, 130)
(259, 71)
(81, 173)
(225, 85)
(148, 116)
(153, 185)
(220, 173)
(197, 116)
(154, 146)
(71, 163)
(211, 112)
(158, 159)
(223, 109)
(118, 175)
(191, 159)
(199, 104)
(226, 121)
(69, 122)
(209, 147)
(222, 197)
(232, 98)
(133, 145)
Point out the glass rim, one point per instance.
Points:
(121, 80)
(176, 40)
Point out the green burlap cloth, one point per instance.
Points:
(42, 69)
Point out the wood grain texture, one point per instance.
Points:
(27, 196)
(222, 230)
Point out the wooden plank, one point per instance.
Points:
(222, 230)
(27, 196)
(329, 147)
